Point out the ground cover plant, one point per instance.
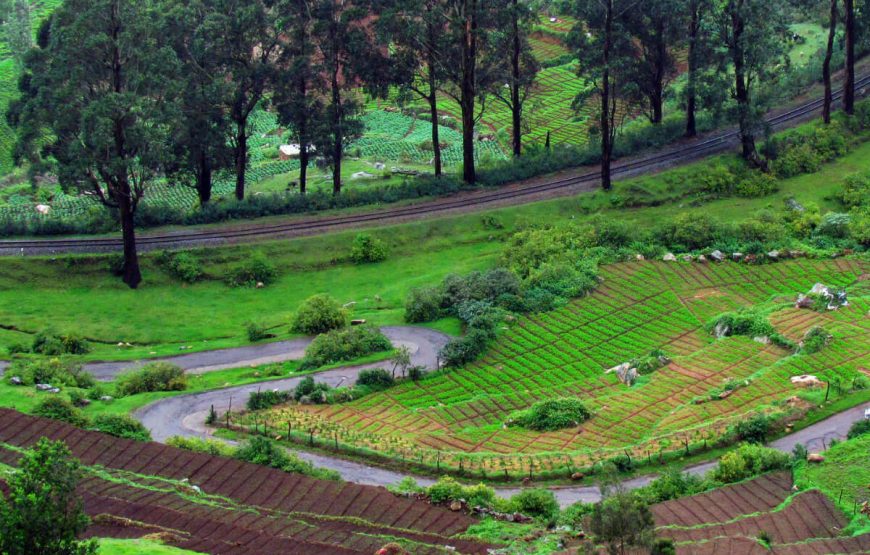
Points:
(638, 307)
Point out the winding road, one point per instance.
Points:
(184, 415)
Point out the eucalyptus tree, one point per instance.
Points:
(850, 26)
(101, 87)
(752, 33)
(17, 25)
(700, 55)
(826, 64)
(202, 130)
(604, 46)
(521, 67)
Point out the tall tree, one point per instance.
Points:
(826, 64)
(701, 56)
(18, 27)
(102, 88)
(849, 87)
(349, 58)
(521, 67)
(467, 68)
(752, 32)
(202, 129)
(621, 521)
(44, 514)
(604, 46)
(299, 108)
(246, 42)
(656, 27)
(415, 30)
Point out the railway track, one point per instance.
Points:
(668, 157)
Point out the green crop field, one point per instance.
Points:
(638, 307)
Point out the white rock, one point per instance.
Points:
(669, 257)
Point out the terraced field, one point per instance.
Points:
(458, 417)
(218, 505)
(731, 520)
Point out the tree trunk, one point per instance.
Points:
(516, 105)
(747, 138)
(203, 176)
(132, 274)
(826, 65)
(849, 88)
(241, 157)
(606, 143)
(467, 92)
(657, 93)
(433, 97)
(694, 24)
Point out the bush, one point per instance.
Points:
(447, 489)
(753, 430)
(816, 339)
(311, 391)
(366, 248)
(183, 266)
(156, 376)
(256, 332)
(58, 408)
(537, 503)
(319, 314)
(747, 461)
(121, 425)
(199, 445)
(376, 378)
(255, 270)
(672, 483)
(859, 428)
(52, 371)
(259, 450)
(48, 343)
(465, 349)
(688, 231)
(834, 225)
(551, 415)
(856, 191)
(423, 305)
(344, 344)
(260, 400)
(746, 322)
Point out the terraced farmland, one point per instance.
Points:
(134, 488)
(731, 519)
(458, 417)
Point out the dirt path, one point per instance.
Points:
(184, 415)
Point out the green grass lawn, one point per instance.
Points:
(110, 546)
(844, 475)
(78, 294)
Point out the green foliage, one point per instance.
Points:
(366, 249)
(649, 363)
(58, 408)
(859, 428)
(200, 445)
(259, 450)
(256, 332)
(183, 266)
(688, 231)
(537, 503)
(49, 343)
(344, 344)
(252, 272)
(319, 314)
(375, 379)
(310, 391)
(155, 376)
(747, 461)
(447, 489)
(423, 305)
(745, 322)
(55, 371)
(551, 415)
(804, 150)
(834, 225)
(259, 400)
(754, 429)
(621, 520)
(816, 339)
(856, 191)
(42, 512)
(121, 425)
(671, 484)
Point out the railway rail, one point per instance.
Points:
(483, 198)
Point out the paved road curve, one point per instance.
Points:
(184, 415)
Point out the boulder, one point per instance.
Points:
(738, 256)
(669, 257)
(773, 255)
(577, 476)
(358, 322)
(807, 380)
(688, 258)
(106, 398)
(717, 256)
(44, 387)
(815, 458)
(16, 380)
(639, 257)
(702, 259)
(260, 285)
(455, 506)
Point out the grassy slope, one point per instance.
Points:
(138, 547)
(844, 475)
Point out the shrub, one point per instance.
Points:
(423, 305)
(319, 314)
(859, 428)
(259, 450)
(754, 429)
(747, 461)
(183, 266)
(537, 503)
(344, 344)
(50, 371)
(253, 271)
(260, 400)
(415, 373)
(672, 483)
(834, 225)
(551, 415)
(375, 378)
(447, 489)
(199, 445)
(48, 343)
(816, 339)
(366, 248)
(746, 322)
(58, 408)
(564, 279)
(856, 191)
(465, 349)
(121, 425)
(309, 390)
(688, 231)
(256, 332)
(156, 376)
